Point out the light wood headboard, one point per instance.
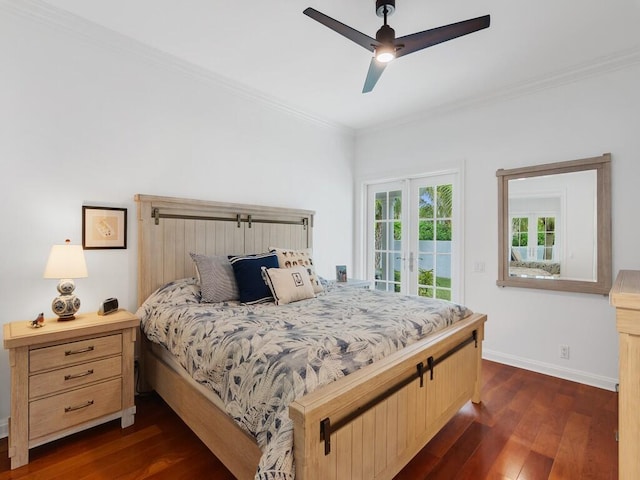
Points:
(171, 228)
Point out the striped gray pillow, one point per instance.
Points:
(217, 281)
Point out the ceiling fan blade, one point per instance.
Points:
(375, 70)
(344, 30)
(418, 41)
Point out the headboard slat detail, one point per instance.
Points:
(169, 229)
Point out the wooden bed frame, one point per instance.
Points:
(368, 424)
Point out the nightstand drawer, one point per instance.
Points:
(75, 376)
(74, 352)
(59, 412)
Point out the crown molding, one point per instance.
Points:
(599, 66)
(61, 20)
(91, 32)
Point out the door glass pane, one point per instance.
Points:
(425, 230)
(395, 204)
(426, 237)
(380, 233)
(381, 266)
(443, 280)
(443, 235)
(388, 240)
(444, 201)
(546, 237)
(435, 233)
(381, 206)
(397, 271)
(425, 275)
(520, 231)
(443, 294)
(426, 195)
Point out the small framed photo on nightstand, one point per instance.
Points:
(341, 273)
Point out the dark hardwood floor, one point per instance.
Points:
(529, 427)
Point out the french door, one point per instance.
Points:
(413, 236)
(533, 237)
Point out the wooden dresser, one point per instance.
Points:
(625, 296)
(67, 376)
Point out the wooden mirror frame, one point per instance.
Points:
(602, 166)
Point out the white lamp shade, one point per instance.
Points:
(66, 261)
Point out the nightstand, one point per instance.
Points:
(68, 376)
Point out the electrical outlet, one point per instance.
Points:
(478, 267)
(564, 352)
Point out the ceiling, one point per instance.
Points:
(271, 49)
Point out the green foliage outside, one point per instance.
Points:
(520, 240)
(520, 229)
(425, 277)
(426, 285)
(425, 280)
(442, 227)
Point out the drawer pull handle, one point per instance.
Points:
(79, 375)
(75, 352)
(78, 407)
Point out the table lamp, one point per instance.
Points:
(66, 262)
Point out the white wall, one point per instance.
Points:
(82, 122)
(577, 120)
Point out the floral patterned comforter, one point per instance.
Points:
(260, 358)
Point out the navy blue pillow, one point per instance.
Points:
(248, 272)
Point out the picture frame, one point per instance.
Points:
(103, 227)
(341, 273)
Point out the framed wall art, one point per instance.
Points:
(104, 227)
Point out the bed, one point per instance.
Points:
(534, 268)
(367, 424)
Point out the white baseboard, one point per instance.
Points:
(4, 428)
(548, 369)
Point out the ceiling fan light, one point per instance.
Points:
(385, 54)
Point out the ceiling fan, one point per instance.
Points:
(386, 46)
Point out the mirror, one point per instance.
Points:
(554, 226)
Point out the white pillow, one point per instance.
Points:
(288, 284)
(292, 258)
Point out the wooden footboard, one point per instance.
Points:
(217, 430)
(364, 441)
(366, 426)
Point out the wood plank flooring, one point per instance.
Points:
(529, 427)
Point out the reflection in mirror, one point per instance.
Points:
(553, 219)
(555, 226)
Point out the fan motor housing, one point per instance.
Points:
(386, 35)
(389, 4)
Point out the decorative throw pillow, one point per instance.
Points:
(288, 284)
(248, 273)
(216, 278)
(293, 258)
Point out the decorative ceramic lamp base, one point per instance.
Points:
(66, 304)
